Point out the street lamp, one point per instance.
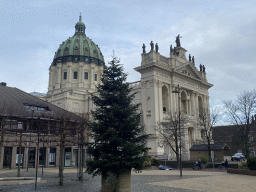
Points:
(177, 90)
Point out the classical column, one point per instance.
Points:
(196, 103)
(187, 103)
(192, 100)
(169, 98)
(160, 101)
(174, 100)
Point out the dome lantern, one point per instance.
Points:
(80, 27)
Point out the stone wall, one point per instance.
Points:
(242, 171)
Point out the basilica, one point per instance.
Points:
(79, 62)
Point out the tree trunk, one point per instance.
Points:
(123, 183)
(80, 162)
(209, 149)
(61, 164)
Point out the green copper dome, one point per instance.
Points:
(79, 48)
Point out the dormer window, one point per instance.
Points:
(36, 108)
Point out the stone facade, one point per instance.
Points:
(160, 76)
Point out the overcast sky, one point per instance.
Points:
(220, 34)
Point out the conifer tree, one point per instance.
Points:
(118, 139)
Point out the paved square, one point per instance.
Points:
(148, 180)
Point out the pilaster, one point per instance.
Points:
(69, 75)
(92, 77)
(1, 157)
(13, 162)
(57, 86)
(81, 70)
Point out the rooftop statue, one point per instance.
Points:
(152, 45)
(144, 48)
(171, 49)
(189, 57)
(193, 59)
(157, 47)
(178, 41)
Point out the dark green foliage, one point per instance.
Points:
(251, 162)
(151, 162)
(155, 162)
(118, 139)
(203, 159)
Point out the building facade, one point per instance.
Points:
(78, 63)
(30, 129)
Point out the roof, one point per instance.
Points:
(214, 147)
(18, 103)
(221, 134)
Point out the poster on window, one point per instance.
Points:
(52, 157)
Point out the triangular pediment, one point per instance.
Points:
(189, 70)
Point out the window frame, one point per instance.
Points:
(75, 74)
(65, 74)
(87, 75)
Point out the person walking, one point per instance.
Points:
(199, 164)
(226, 163)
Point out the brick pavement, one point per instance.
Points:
(148, 180)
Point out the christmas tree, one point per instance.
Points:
(118, 139)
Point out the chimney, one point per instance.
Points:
(3, 83)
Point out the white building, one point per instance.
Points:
(78, 63)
